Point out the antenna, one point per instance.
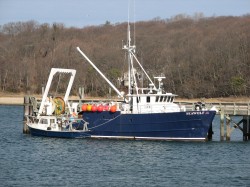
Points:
(134, 24)
(129, 7)
(128, 11)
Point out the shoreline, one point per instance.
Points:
(18, 99)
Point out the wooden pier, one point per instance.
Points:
(227, 110)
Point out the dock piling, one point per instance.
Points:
(246, 128)
(26, 110)
(221, 125)
(228, 128)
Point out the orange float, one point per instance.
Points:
(84, 107)
(100, 108)
(89, 108)
(106, 107)
(94, 108)
(113, 109)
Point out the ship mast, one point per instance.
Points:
(131, 73)
(130, 49)
(129, 57)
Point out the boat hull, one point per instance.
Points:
(192, 125)
(182, 126)
(58, 134)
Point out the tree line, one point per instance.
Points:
(200, 57)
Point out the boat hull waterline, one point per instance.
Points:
(190, 126)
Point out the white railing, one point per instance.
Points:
(232, 108)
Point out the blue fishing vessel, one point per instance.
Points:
(143, 113)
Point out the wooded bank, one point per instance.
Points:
(205, 57)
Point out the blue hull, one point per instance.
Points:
(192, 125)
(173, 126)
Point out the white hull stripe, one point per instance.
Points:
(147, 138)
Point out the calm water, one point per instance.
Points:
(36, 161)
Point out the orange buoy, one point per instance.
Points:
(106, 107)
(94, 108)
(89, 107)
(100, 108)
(113, 109)
(84, 107)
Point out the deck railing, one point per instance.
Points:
(231, 108)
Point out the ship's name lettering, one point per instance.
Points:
(197, 113)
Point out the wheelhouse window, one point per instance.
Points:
(138, 99)
(161, 99)
(52, 121)
(169, 99)
(172, 98)
(157, 99)
(148, 99)
(44, 121)
(165, 98)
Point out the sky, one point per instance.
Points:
(81, 13)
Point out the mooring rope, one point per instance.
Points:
(105, 122)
